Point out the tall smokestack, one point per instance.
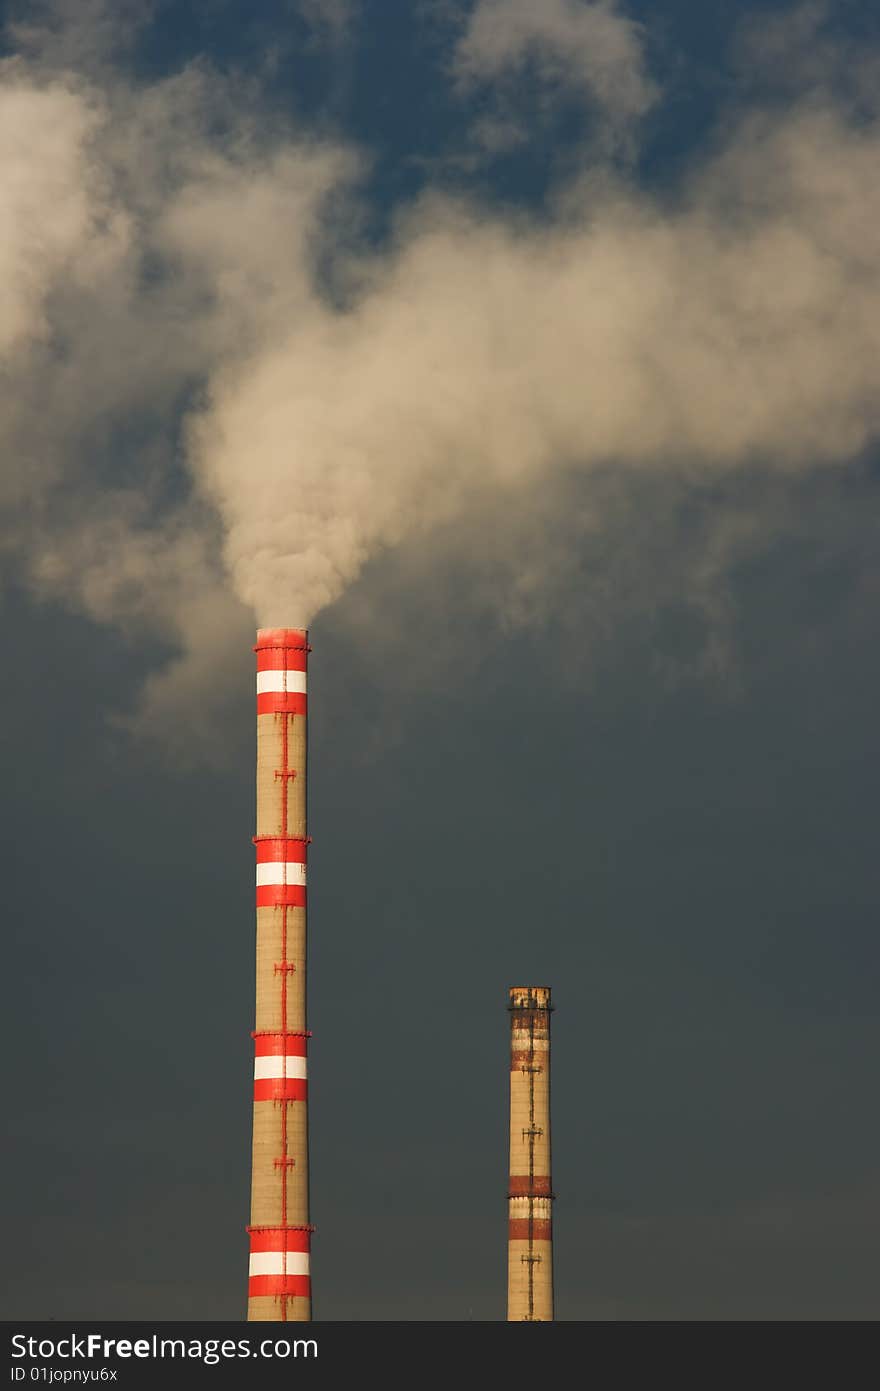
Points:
(279, 1286)
(530, 1195)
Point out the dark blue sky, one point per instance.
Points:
(681, 843)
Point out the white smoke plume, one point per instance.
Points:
(162, 256)
(742, 321)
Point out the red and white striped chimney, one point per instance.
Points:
(279, 1285)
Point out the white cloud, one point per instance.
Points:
(48, 223)
(157, 245)
(331, 17)
(745, 322)
(139, 250)
(572, 45)
(76, 35)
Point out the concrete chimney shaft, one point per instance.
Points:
(279, 1285)
(530, 1195)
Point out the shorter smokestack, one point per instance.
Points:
(530, 1195)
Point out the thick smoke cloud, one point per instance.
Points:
(163, 254)
(148, 234)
